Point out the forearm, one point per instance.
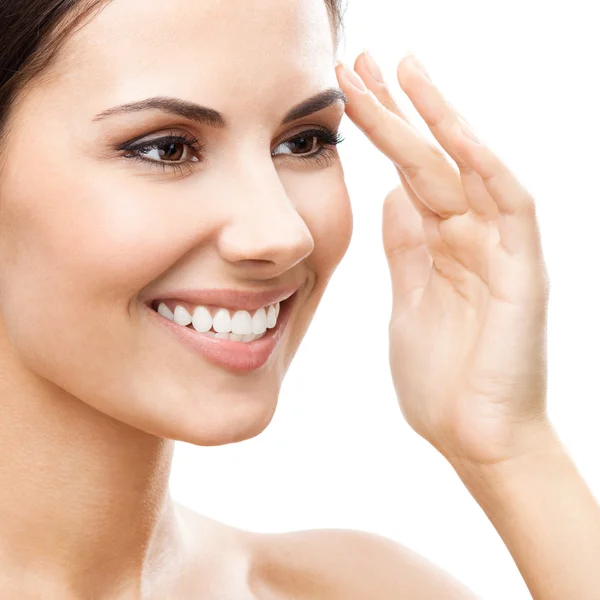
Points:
(546, 516)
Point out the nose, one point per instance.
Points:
(264, 231)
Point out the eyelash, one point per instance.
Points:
(322, 157)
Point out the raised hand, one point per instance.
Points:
(470, 286)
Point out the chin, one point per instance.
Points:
(220, 411)
(233, 419)
(186, 398)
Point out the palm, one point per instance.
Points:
(468, 326)
(467, 349)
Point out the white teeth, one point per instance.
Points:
(241, 326)
(234, 337)
(259, 321)
(165, 311)
(222, 321)
(241, 323)
(182, 316)
(271, 317)
(201, 320)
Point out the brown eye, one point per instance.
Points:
(314, 146)
(175, 151)
(168, 151)
(304, 143)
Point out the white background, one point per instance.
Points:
(338, 452)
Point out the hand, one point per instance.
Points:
(469, 282)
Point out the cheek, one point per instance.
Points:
(325, 208)
(71, 240)
(85, 236)
(75, 246)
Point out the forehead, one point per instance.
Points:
(201, 48)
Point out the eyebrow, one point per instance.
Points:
(213, 118)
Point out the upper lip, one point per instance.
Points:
(233, 299)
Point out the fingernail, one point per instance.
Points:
(353, 78)
(373, 66)
(468, 131)
(418, 63)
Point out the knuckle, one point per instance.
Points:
(438, 159)
(411, 171)
(438, 153)
(465, 168)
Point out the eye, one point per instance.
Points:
(178, 152)
(170, 151)
(312, 144)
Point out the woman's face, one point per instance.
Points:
(97, 227)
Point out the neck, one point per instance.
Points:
(84, 500)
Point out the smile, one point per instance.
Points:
(221, 323)
(240, 337)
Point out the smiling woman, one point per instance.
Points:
(160, 262)
(172, 208)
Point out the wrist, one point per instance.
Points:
(534, 443)
(545, 514)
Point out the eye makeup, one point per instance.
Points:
(169, 144)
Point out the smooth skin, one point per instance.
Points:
(468, 329)
(93, 393)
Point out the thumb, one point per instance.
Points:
(405, 248)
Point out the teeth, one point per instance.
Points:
(259, 321)
(222, 321)
(241, 323)
(271, 317)
(165, 311)
(235, 337)
(202, 321)
(182, 316)
(241, 327)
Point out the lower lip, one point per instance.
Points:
(239, 357)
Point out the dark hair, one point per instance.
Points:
(33, 32)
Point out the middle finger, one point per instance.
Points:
(443, 120)
(433, 179)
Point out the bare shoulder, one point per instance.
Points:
(349, 565)
(331, 564)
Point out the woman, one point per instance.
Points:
(158, 270)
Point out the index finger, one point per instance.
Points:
(433, 178)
